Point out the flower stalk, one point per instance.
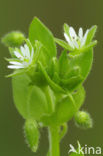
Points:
(54, 141)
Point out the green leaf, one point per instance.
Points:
(84, 61)
(30, 101)
(63, 44)
(69, 105)
(37, 103)
(65, 109)
(32, 134)
(20, 86)
(38, 31)
(91, 34)
(51, 100)
(79, 97)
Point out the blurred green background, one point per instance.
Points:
(17, 15)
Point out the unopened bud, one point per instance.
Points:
(31, 134)
(13, 39)
(83, 120)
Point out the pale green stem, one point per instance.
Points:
(54, 141)
(63, 131)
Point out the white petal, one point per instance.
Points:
(75, 44)
(68, 40)
(84, 38)
(22, 50)
(27, 51)
(15, 63)
(80, 34)
(72, 33)
(15, 67)
(17, 54)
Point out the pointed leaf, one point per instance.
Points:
(38, 31)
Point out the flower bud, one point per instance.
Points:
(31, 134)
(13, 39)
(83, 120)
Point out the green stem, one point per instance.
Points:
(54, 141)
(64, 131)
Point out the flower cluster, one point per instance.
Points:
(74, 40)
(23, 57)
(48, 90)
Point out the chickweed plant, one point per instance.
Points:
(48, 88)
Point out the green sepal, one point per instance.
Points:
(17, 72)
(38, 31)
(11, 50)
(13, 39)
(84, 49)
(32, 134)
(91, 34)
(63, 44)
(66, 29)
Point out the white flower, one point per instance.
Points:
(76, 41)
(24, 57)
